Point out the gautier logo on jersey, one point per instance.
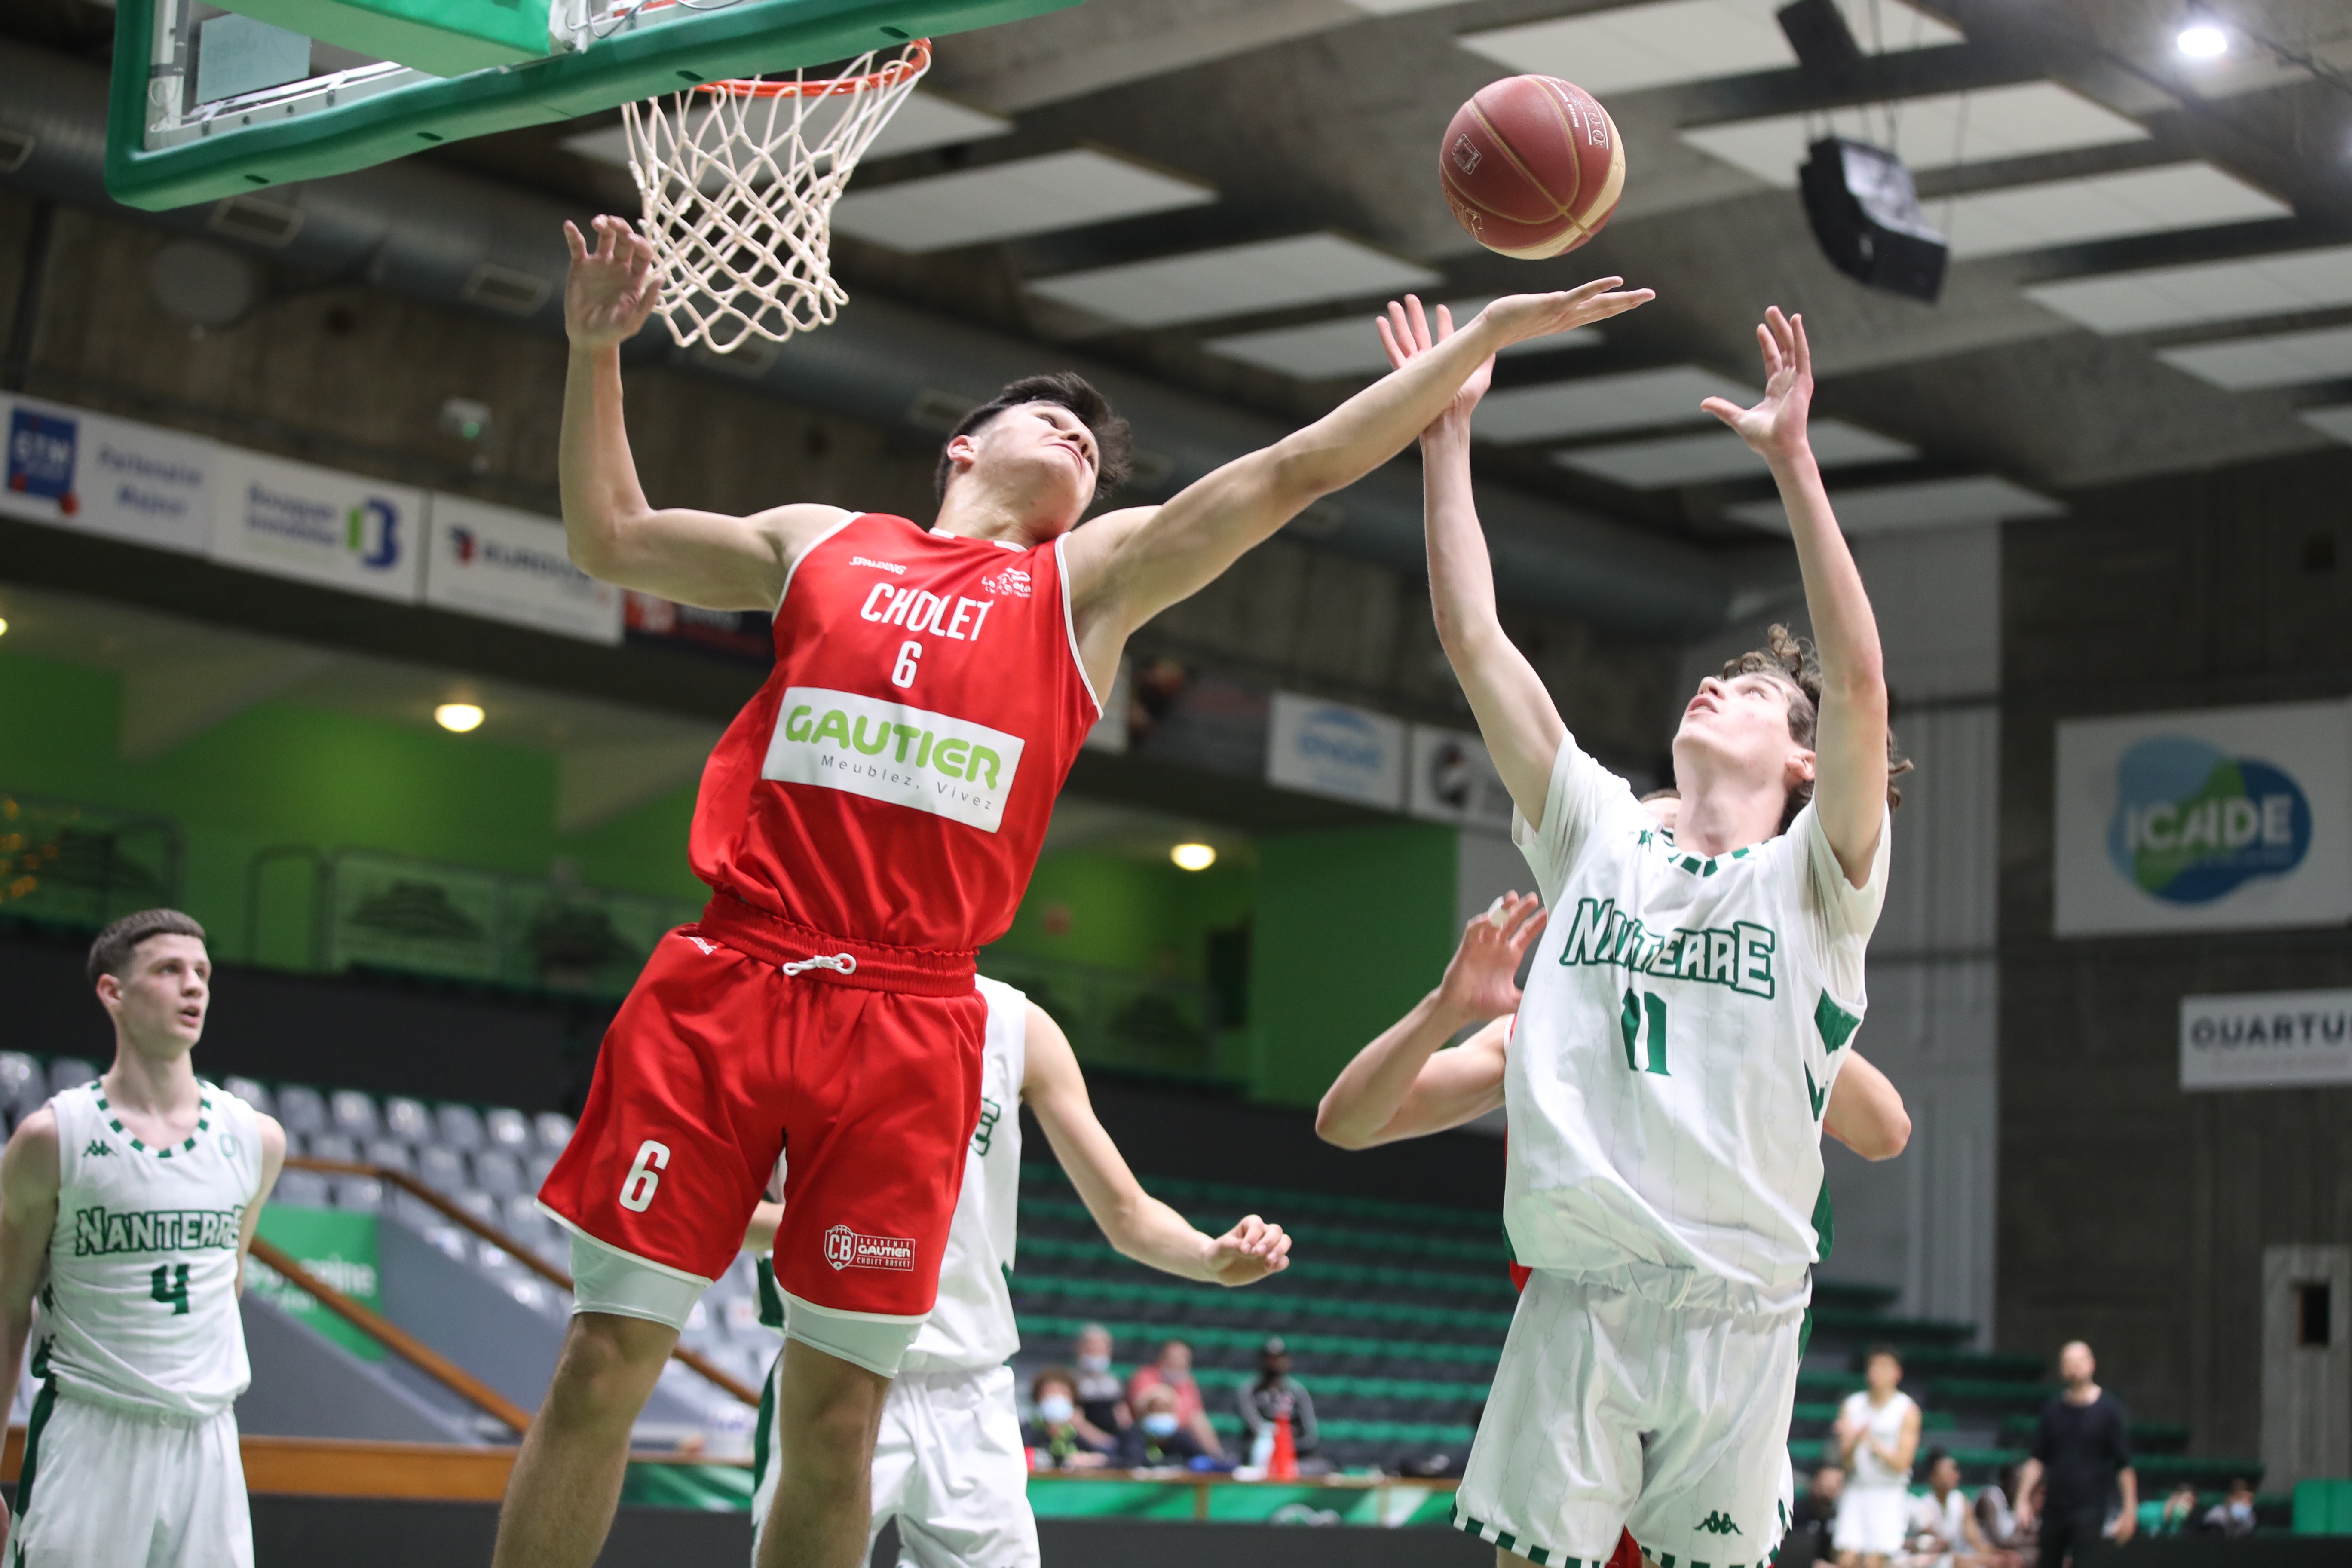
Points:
(930, 761)
(1739, 957)
(2192, 823)
(846, 1248)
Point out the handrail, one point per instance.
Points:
(394, 1338)
(694, 1360)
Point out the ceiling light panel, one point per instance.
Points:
(1600, 404)
(1630, 47)
(2280, 359)
(1926, 503)
(2100, 207)
(1934, 133)
(2336, 423)
(1004, 201)
(2204, 291)
(1719, 454)
(1320, 350)
(1235, 280)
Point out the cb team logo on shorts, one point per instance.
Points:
(846, 1248)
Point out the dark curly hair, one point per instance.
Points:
(1790, 660)
(1114, 454)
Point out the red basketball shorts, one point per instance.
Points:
(720, 1060)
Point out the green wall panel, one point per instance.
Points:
(1353, 926)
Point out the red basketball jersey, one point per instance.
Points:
(892, 781)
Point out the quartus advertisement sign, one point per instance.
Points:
(2201, 821)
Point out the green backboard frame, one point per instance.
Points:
(158, 158)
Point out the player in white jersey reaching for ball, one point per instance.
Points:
(949, 1465)
(1684, 1022)
(137, 1195)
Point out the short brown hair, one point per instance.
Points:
(1046, 1375)
(1789, 660)
(110, 953)
(1114, 454)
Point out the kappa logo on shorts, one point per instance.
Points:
(1717, 1523)
(846, 1248)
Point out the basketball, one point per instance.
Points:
(1533, 167)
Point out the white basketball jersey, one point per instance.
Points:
(972, 1327)
(1883, 1424)
(1682, 1024)
(140, 1309)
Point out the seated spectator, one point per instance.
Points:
(1159, 1436)
(1943, 1534)
(1813, 1518)
(2179, 1514)
(1100, 1398)
(1062, 1439)
(1174, 1371)
(2234, 1515)
(2011, 1540)
(1274, 1396)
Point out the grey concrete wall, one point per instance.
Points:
(2131, 1215)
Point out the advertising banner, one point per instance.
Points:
(507, 565)
(2273, 1039)
(337, 1247)
(97, 474)
(1330, 748)
(2230, 817)
(1452, 779)
(318, 525)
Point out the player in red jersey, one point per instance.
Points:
(869, 820)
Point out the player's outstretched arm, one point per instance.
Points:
(702, 558)
(1865, 1111)
(1132, 1220)
(1520, 724)
(1151, 558)
(273, 1159)
(30, 1175)
(1850, 740)
(1404, 1085)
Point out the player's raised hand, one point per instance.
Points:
(1481, 980)
(1405, 334)
(1775, 428)
(612, 289)
(1249, 1252)
(1519, 317)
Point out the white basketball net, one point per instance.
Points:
(739, 180)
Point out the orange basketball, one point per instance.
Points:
(1533, 167)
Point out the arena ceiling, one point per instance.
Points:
(2152, 254)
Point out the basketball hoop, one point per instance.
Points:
(739, 180)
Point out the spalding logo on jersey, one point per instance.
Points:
(846, 1248)
(887, 751)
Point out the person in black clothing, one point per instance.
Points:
(1061, 1436)
(1276, 1394)
(1811, 1521)
(2082, 1456)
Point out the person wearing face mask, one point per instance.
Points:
(2234, 1515)
(1174, 1371)
(1061, 1437)
(1102, 1398)
(1159, 1436)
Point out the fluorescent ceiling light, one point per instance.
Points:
(1629, 47)
(1322, 351)
(1599, 404)
(1933, 132)
(1926, 503)
(1396, 7)
(2204, 291)
(2280, 359)
(2335, 423)
(1722, 454)
(2099, 207)
(1235, 280)
(1029, 196)
(2204, 41)
(925, 121)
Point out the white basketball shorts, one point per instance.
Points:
(1872, 1520)
(1611, 1410)
(100, 1489)
(949, 1466)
